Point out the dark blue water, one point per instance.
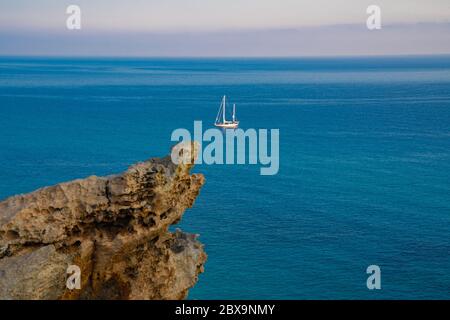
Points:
(364, 162)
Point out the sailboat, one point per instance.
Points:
(221, 120)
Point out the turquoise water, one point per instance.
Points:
(364, 162)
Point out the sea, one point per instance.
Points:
(364, 162)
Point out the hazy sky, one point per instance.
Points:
(250, 27)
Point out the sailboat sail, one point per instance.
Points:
(220, 114)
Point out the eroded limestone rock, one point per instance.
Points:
(114, 228)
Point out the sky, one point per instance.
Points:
(224, 28)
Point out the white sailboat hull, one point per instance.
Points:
(231, 125)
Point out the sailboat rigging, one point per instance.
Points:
(221, 120)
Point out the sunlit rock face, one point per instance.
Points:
(114, 228)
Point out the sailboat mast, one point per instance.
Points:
(234, 112)
(224, 107)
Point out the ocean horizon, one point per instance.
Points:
(364, 175)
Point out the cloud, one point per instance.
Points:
(353, 39)
(207, 15)
(224, 28)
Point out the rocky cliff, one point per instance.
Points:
(114, 229)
